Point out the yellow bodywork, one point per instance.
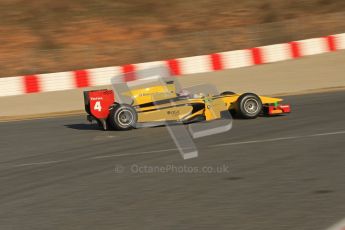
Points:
(148, 94)
(162, 103)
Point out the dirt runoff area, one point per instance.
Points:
(40, 36)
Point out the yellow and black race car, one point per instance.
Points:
(159, 104)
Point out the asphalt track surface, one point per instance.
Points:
(285, 172)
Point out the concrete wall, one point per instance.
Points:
(288, 77)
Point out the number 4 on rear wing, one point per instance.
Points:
(97, 104)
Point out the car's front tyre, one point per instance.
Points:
(248, 106)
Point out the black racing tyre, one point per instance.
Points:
(248, 106)
(227, 93)
(122, 117)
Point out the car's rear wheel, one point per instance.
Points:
(122, 117)
(249, 106)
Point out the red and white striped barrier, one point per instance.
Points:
(182, 66)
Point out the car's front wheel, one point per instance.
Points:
(249, 106)
(122, 117)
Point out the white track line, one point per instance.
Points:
(39, 163)
(226, 144)
(257, 141)
(279, 139)
(327, 134)
(170, 150)
(134, 154)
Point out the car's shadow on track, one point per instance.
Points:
(272, 116)
(82, 126)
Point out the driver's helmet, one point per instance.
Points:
(184, 93)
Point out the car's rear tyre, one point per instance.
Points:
(122, 117)
(248, 106)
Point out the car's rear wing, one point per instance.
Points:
(98, 102)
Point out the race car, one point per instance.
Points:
(161, 104)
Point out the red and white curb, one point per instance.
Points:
(38, 83)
